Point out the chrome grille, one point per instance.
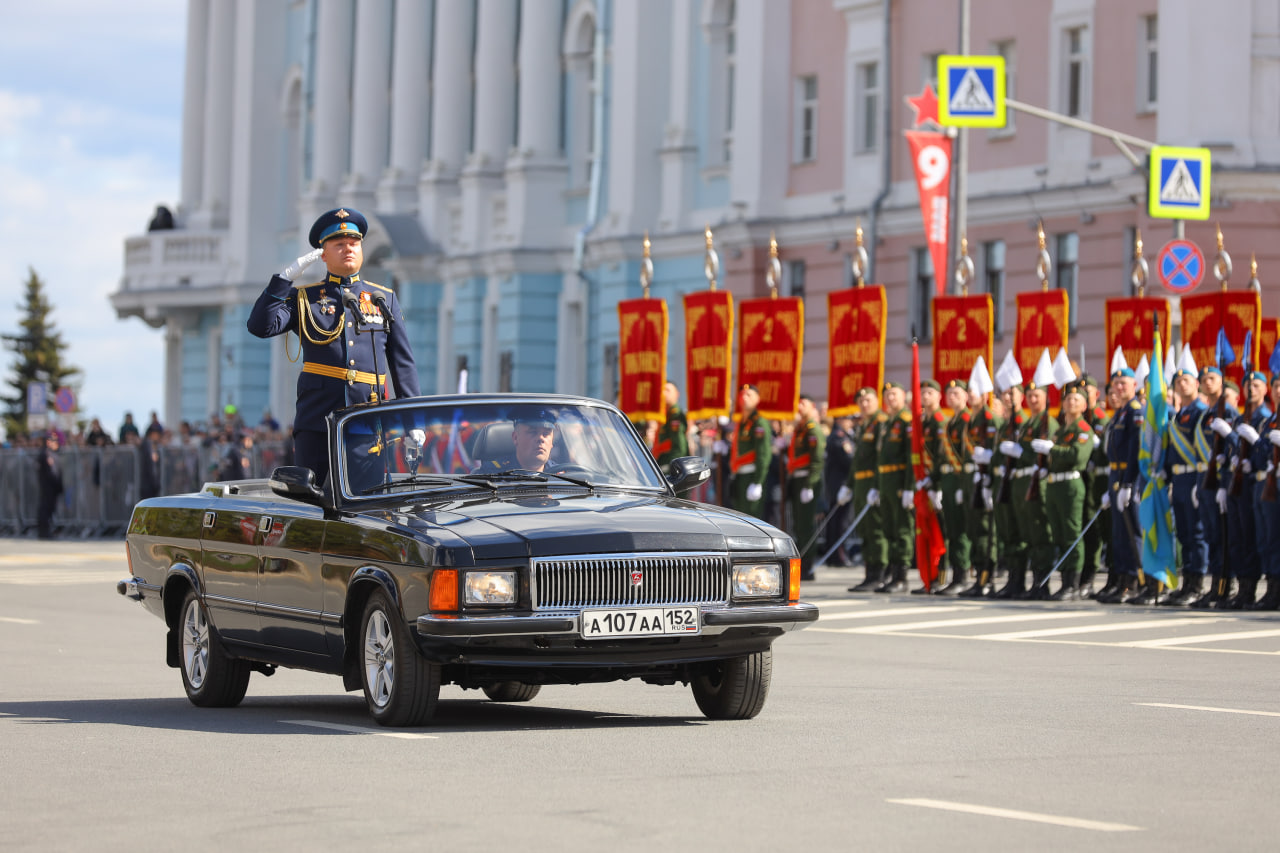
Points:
(605, 581)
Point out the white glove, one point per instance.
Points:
(1221, 427)
(806, 495)
(981, 456)
(720, 447)
(1221, 498)
(935, 498)
(922, 485)
(844, 495)
(986, 498)
(908, 499)
(959, 497)
(1221, 459)
(1122, 497)
(419, 436)
(754, 492)
(291, 272)
(1097, 439)
(1195, 498)
(1106, 500)
(1246, 464)
(1011, 449)
(1248, 433)
(873, 497)
(1274, 437)
(1041, 445)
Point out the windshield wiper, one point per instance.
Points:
(422, 480)
(526, 474)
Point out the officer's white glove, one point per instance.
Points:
(1106, 500)
(1011, 449)
(1195, 498)
(1221, 427)
(959, 497)
(908, 499)
(720, 447)
(873, 497)
(981, 456)
(935, 498)
(1041, 445)
(1122, 497)
(1248, 433)
(1247, 465)
(987, 500)
(806, 495)
(844, 495)
(419, 436)
(922, 485)
(754, 492)
(1221, 459)
(291, 272)
(1274, 437)
(1097, 439)
(1221, 498)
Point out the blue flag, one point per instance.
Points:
(1223, 354)
(1246, 357)
(1155, 513)
(1274, 364)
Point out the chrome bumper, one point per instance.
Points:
(789, 617)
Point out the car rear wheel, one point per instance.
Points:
(511, 691)
(211, 678)
(401, 687)
(735, 688)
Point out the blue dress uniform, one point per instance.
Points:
(1267, 513)
(1124, 437)
(1245, 564)
(1183, 467)
(345, 349)
(1210, 519)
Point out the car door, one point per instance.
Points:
(290, 582)
(229, 559)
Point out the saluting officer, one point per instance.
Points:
(1013, 545)
(1124, 437)
(862, 490)
(343, 359)
(751, 454)
(953, 485)
(1183, 469)
(1210, 441)
(1068, 453)
(980, 439)
(673, 436)
(805, 459)
(895, 483)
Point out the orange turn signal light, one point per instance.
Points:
(444, 590)
(794, 580)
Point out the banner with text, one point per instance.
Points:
(1042, 325)
(708, 349)
(931, 156)
(856, 320)
(1236, 311)
(770, 350)
(1267, 337)
(1128, 326)
(962, 331)
(642, 353)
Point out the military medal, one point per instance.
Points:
(327, 304)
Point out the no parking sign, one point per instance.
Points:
(1180, 266)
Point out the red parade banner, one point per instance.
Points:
(931, 155)
(770, 351)
(962, 331)
(856, 320)
(708, 349)
(1267, 337)
(930, 544)
(1128, 326)
(1042, 325)
(642, 357)
(1237, 312)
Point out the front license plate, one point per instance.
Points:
(640, 622)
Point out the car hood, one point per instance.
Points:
(550, 523)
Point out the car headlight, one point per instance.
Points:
(491, 587)
(757, 580)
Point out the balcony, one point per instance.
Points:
(166, 260)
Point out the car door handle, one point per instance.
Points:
(264, 526)
(209, 519)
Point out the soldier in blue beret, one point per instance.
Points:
(352, 333)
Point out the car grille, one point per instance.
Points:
(590, 581)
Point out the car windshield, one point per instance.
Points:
(427, 446)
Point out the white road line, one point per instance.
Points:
(837, 603)
(955, 623)
(1144, 625)
(1206, 708)
(1013, 814)
(15, 620)
(1203, 638)
(894, 611)
(360, 730)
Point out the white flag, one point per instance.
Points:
(1043, 377)
(1063, 372)
(1009, 373)
(979, 378)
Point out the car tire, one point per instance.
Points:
(211, 678)
(401, 687)
(735, 688)
(511, 691)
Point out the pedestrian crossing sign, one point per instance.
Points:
(1179, 183)
(971, 91)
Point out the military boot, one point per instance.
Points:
(1270, 601)
(1207, 601)
(1069, 591)
(1130, 591)
(1152, 593)
(1109, 590)
(875, 577)
(982, 586)
(1246, 595)
(958, 579)
(1124, 589)
(1084, 589)
(1015, 585)
(897, 580)
(1191, 591)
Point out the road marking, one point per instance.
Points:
(15, 620)
(1145, 625)
(59, 576)
(826, 603)
(955, 623)
(1204, 638)
(360, 730)
(899, 611)
(1207, 708)
(1014, 814)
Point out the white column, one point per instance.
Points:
(539, 80)
(678, 152)
(217, 117)
(450, 117)
(331, 126)
(371, 102)
(173, 373)
(410, 104)
(193, 107)
(758, 171)
(495, 81)
(637, 73)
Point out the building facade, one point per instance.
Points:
(511, 154)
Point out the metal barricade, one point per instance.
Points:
(17, 506)
(119, 488)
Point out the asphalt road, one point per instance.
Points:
(895, 723)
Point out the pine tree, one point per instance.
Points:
(38, 354)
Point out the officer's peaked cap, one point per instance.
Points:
(342, 222)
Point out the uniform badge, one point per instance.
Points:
(368, 311)
(327, 304)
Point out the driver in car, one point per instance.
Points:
(533, 435)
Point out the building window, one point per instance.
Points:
(793, 281)
(1148, 64)
(1008, 50)
(1067, 272)
(720, 29)
(805, 143)
(922, 291)
(1076, 77)
(866, 136)
(929, 70)
(993, 280)
(580, 69)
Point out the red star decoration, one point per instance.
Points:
(926, 106)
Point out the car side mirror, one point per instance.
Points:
(687, 472)
(291, 481)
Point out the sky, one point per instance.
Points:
(90, 143)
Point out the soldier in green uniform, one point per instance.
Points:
(953, 485)
(1012, 546)
(980, 438)
(673, 436)
(933, 425)
(1029, 505)
(805, 459)
(861, 489)
(1068, 451)
(1095, 486)
(750, 455)
(896, 485)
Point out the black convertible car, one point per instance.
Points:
(498, 542)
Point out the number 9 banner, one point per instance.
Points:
(931, 154)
